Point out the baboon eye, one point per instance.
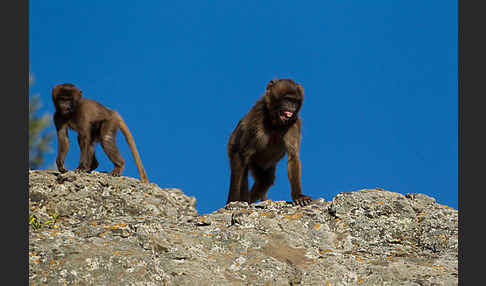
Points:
(291, 99)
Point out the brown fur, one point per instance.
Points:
(94, 123)
(260, 141)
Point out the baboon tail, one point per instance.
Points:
(128, 136)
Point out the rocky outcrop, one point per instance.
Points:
(94, 229)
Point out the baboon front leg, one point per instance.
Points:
(86, 153)
(62, 146)
(294, 172)
(244, 192)
(237, 177)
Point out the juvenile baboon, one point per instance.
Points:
(270, 129)
(94, 123)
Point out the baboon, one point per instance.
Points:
(94, 123)
(270, 129)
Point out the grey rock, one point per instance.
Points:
(118, 231)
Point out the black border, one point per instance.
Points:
(14, 116)
(471, 139)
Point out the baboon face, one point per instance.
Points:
(283, 99)
(66, 98)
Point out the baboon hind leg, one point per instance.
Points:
(94, 163)
(263, 180)
(108, 142)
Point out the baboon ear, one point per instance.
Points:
(301, 91)
(55, 90)
(271, 83)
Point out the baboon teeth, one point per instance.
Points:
(284, 115)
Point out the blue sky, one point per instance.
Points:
(380, 80)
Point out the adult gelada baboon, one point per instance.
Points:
(94, 123)
(270, 129)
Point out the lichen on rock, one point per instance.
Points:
(107, 230)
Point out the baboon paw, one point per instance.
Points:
(93, 167)
(80, 170)
(115, 173)
(303, 200)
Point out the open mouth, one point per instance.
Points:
(285, 115)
